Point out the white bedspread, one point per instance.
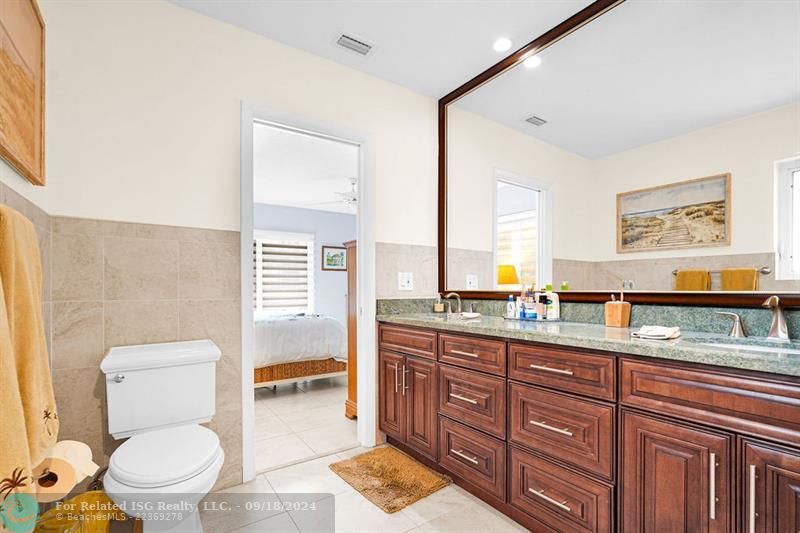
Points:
(289, 338)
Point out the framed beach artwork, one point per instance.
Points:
(687, 214)
(334, 258)
(22, 88)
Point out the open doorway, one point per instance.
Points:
(305, 279)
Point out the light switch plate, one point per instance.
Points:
(405, 281)
(472, 281)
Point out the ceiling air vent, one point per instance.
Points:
(353, 44)
(536, 121)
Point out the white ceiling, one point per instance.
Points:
(298, 170)
(652, 69)
(430, 46)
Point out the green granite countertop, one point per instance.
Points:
(749, 354)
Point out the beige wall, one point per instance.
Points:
(144, 111)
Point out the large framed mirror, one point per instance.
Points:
(647, 145)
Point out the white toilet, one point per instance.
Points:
(158, 394)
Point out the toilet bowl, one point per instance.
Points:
(161, 476)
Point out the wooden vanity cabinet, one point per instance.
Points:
(769, 483)
(573, 440)
(673, 477)
(407, 400)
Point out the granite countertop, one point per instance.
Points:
(748, 354)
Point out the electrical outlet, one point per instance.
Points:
(405, 281)
(472, 281)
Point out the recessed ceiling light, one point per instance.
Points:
(532, 62)
(502, 44)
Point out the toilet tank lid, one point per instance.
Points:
(142, 356)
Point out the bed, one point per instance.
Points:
(290, 348)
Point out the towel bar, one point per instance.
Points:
(766, 271)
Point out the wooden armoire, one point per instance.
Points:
(350, 409)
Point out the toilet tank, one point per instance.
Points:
(154, 386)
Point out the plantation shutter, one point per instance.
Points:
(283, 276)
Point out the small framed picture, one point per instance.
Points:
(334, 258)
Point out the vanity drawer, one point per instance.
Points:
(473, 398)
(475, 457)
(558, 497)
(768, 408)
(564, 369)
(478, 354)
(411, 341)
(574, 431)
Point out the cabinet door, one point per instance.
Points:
(391, 402)
(771, 485)
(419, 382)
(674, 478)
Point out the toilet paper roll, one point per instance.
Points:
(78, 454)
(55, 478)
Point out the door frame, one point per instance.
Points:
(367, 424)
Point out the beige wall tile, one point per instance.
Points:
(140, 269)
(77, 267)
(229, 383)
(228, 426)
(218, 320)
(209, 271)
(81, 401)
(391, 258)
(77, 334)
(140, 322)
(78, 226)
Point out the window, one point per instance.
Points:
(787, 200)
(283, 266)
(522, 255)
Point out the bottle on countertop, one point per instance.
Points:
(553, 304)
(511, 311)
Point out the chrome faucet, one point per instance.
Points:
(449, 307)
(737, 329)
(778, 329)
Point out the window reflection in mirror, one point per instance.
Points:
(518, 225)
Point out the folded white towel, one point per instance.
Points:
(657, 333)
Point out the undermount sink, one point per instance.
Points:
(466, 315)
(754, 345)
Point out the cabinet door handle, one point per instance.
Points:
(463, 398)
(405, 387)
(566, 372)
(396, 383)
(712, 486)
(751, 499)
(473, 460)
(465, 354)
(548, 427)
(542, 495)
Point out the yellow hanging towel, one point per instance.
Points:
(693, 280)
(28, 413)
(739, 279)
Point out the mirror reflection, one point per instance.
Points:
(622, 157)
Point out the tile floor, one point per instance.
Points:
(301, 421)
(451, 509)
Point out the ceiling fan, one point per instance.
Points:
(349, 198)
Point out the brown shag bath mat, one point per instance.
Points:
(389, 478)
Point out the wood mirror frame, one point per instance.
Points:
(576, 21)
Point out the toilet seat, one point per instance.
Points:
(165, 457)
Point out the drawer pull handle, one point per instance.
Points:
(463, 398)
(751, 499)
(548, 427)
(566, 372)
(465, 354)
(396, 384)
(542, 495)
(405, 387)
(473, 460)
(712, 486)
